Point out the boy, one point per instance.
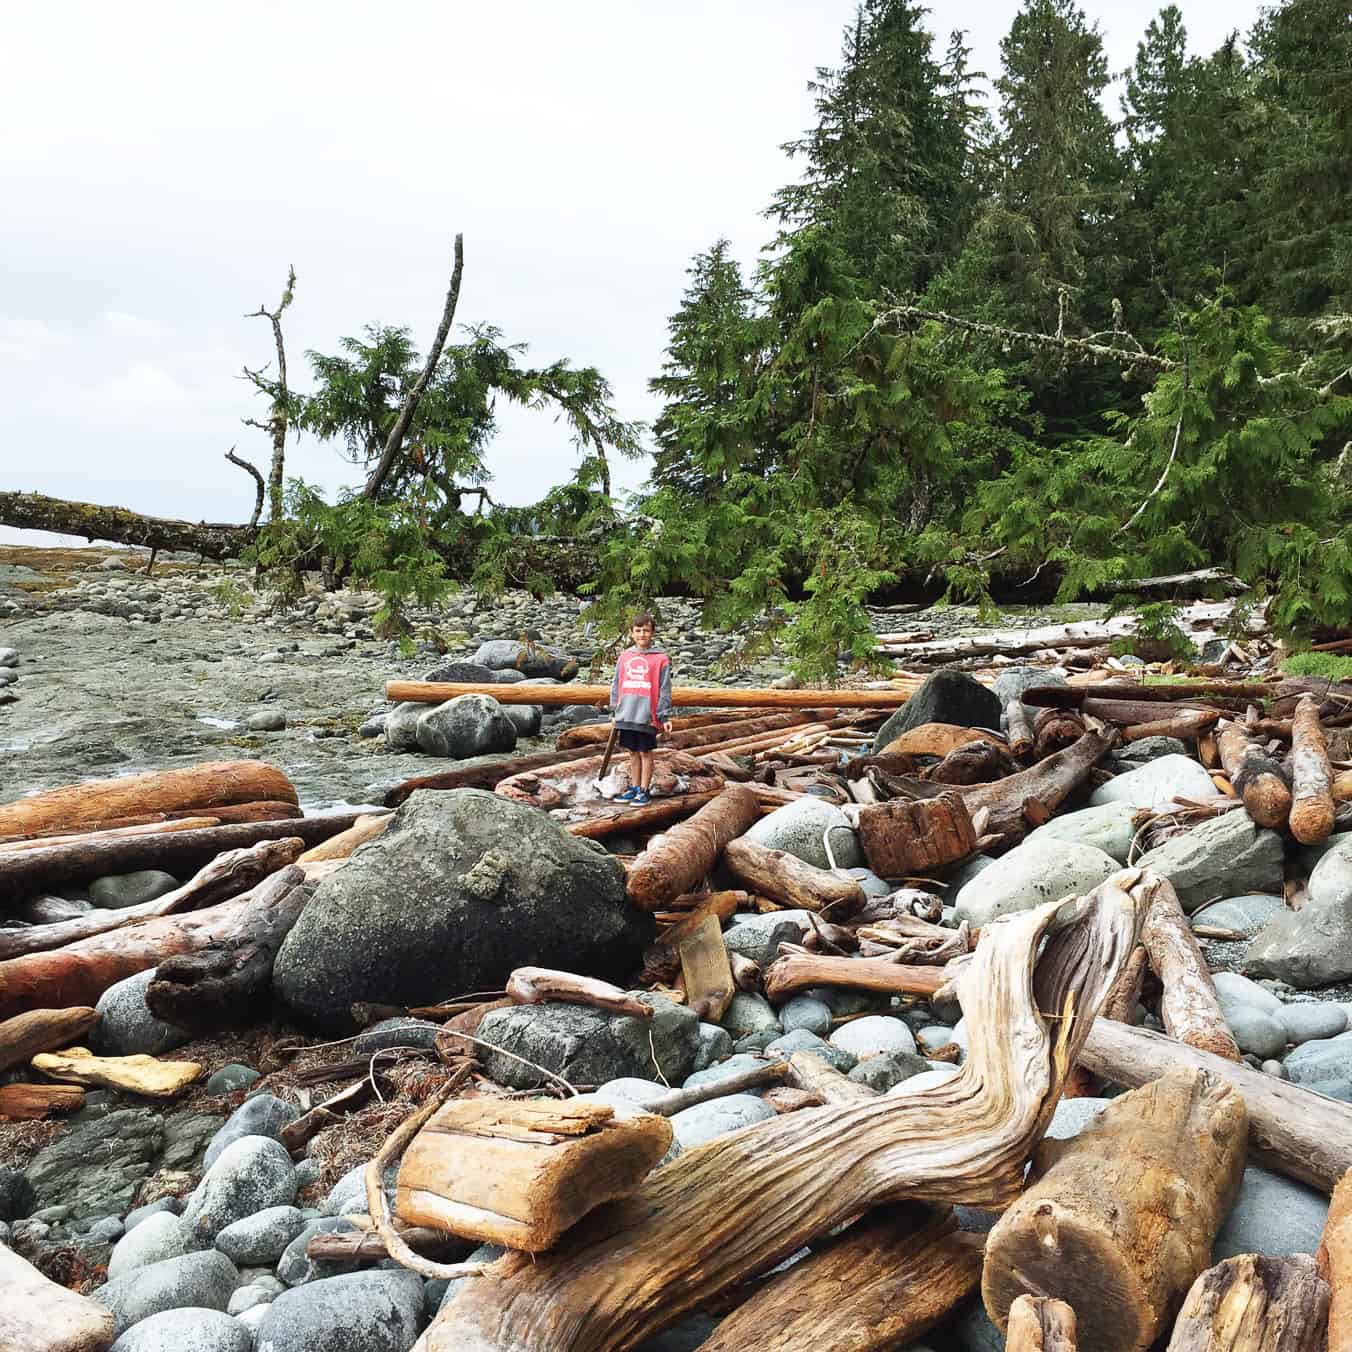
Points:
(640, 696)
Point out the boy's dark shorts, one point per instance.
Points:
(637, 741)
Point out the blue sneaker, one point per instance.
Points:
(628, 795)
(640, 798)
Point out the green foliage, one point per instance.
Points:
(1159, 635)
(1326, 666)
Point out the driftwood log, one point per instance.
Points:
(1126, 992)
(80, 973)
(1292, 1130)
(1020, 726)
(631, 1268)
(1189, 1006)
(799, 970)
(1187, 726)
(1041, 1324)
(682, 696)
(1122, 1217)
(1335, 1265)
(904, 839)
(37, 1315)
(596, 821)
(1258, 778)
(887, 1280)
(937, 739)
(224, 877)
(344, 843)
(28, 1102)
(675, 862)
(221, 814)
(706, 971)
(42, 1030)
(199, 786)
(784, 877)
(662, 958)
(824, 1082)
(486, 776)
(157, 828)
(1311, 775)
(595, 734)
(537, 985)
(575, 784)
(1255, 1303)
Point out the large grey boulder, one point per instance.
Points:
(1030, 874)
(589, 1046)
(1012, 682)
(1107, 827)
(126, 1143)
(1247, 914)
(260, 1115)
(529, 658)
(469, 725)
(1220, 857)
(126, 1026)
(1159, 781)
(462, 888)
(191, 1330)
(1273, 1215)
(945, 697)
(297, 1268)
(359, 1312)
(1325, 1065)
(471, 673)
(158, 1237)
(1312, 1022)
(1311, 947)
(799, 828)
(195, 1280)
(401, 726)
(249, 1175)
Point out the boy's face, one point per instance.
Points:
(642, 635)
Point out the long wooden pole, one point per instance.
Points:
(682, 696)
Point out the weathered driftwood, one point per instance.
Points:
(904, 839)
(1020, 726)
(1126, 992)
(137, 1074)
(228, 982)
(1255, 1303)
(42, 1030)
(884, 1282)
(295, 1136)
(1041, 1324)
(226, 876)
(975, 763)
(28, 1102)
(1293, 1130)
(635, 1266)
(57, 863)
(1122, 1217)
(678, 1100)
(662, 958)
(786, 878)
(521, 1173)
(674, 862)
(158, 828)
(1258, 778)
(1015, 642)
(814, 1076)
(1189, 1006)
(537, 985)
(937, 739)
(596, 821)
(706, 971)
(198, 786)
(367, 1246)
(746, 975)
(1311, 775)
(799, 970)
(595, 734)
(682, 696)
(221, 814)
(344, 843)
(1335, 1265)
(81, 972)
(1188, 726)
(37, 1315)
(486, 776)
(719, 734)
(575, 784)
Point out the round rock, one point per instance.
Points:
(261, 1115)
(360, 1312)
(157, 1237)
(130, 889)
(705, 1121)
(799, 828)
(261, 1239)
(126, 1026)
(190, 1330)
(231, 1078)
(193, 1281)
(874, 1035)
(1311, 1022)
(248, 1176)
(803, 1011)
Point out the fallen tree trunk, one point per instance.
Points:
(1122, 1217)
(662, 958)
(1255, 1303)
(1335, 1265)
(633, 1267)
(344, 843)
(578, 784)
(1041, 1324)
(784, 877)
(42, 1030)
(682, 696)
(199, 786)
(36, 1314)
(796, 971)
(227, 875)
(1312, 776)
(595, 734)
(229, 982)
(80, 973)
(1292, 1130)
(890, 1278)
(58, 864)
(1189, 1006)
(1187, 726)
(487, 776)
(18, 844)
(673, 863)
(1020, 727)
(1257, 777)
(598, 825)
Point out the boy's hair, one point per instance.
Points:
(643, 620)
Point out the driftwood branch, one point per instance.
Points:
(260, 488)
(276, 425)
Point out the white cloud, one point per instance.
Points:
(29, 339)
(142, 386)
(123, 325)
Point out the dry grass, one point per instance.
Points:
(20, 1141)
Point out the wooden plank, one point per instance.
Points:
(709, 986)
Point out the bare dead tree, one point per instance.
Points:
(277, 421)
(395, 441)
(258, 483)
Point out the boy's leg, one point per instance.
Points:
(636, 770)
(645, 770)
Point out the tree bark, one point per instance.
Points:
(682, 696)
(1122, 1217)
(42, 1030)
(662, 958)
(79, 974)
(674, 862)
(727, 1210)
(226, 876)
(260, 488)
(37, 1315)
(1312, 776)
(1255, 1303)
(799, 971)
(937, 739)
(277, 416)
(1041, 1324)
(1335, 1265)
(908, 839)
(57, 864)
(889, 1279)
(784, 877)
(1189, 1006)
(85, 806)
(1295, 1131)
(1259, 778)
(31, 1102)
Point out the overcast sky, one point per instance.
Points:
(163, 163)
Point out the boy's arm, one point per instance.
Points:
(615, 685)
(664, 694)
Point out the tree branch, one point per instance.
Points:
(258, 479)
(395, 441)
(276, 426)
